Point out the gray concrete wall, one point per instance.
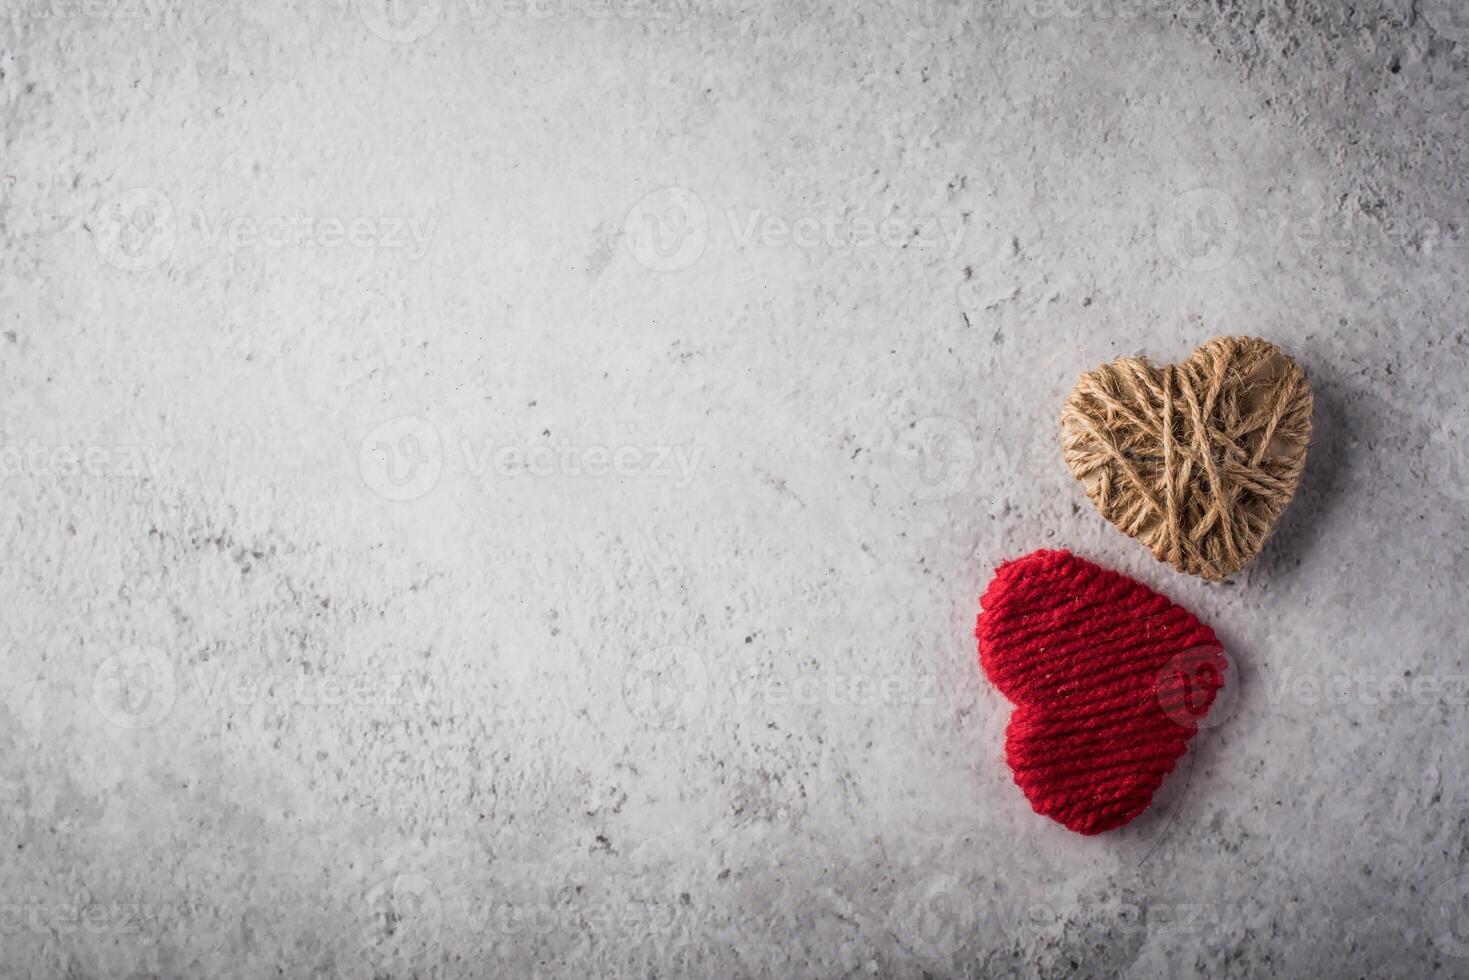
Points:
(504, 491)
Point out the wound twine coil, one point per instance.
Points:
(1196, 460)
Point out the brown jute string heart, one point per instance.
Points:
(1196, 460)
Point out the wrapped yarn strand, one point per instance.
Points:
(1196, 460)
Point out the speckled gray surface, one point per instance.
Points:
(503, 490)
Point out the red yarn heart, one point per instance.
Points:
(1109, 680)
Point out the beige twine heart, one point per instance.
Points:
(1196, 460)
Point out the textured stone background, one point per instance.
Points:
(503, 490)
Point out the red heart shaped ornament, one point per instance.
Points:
(1109, 680)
